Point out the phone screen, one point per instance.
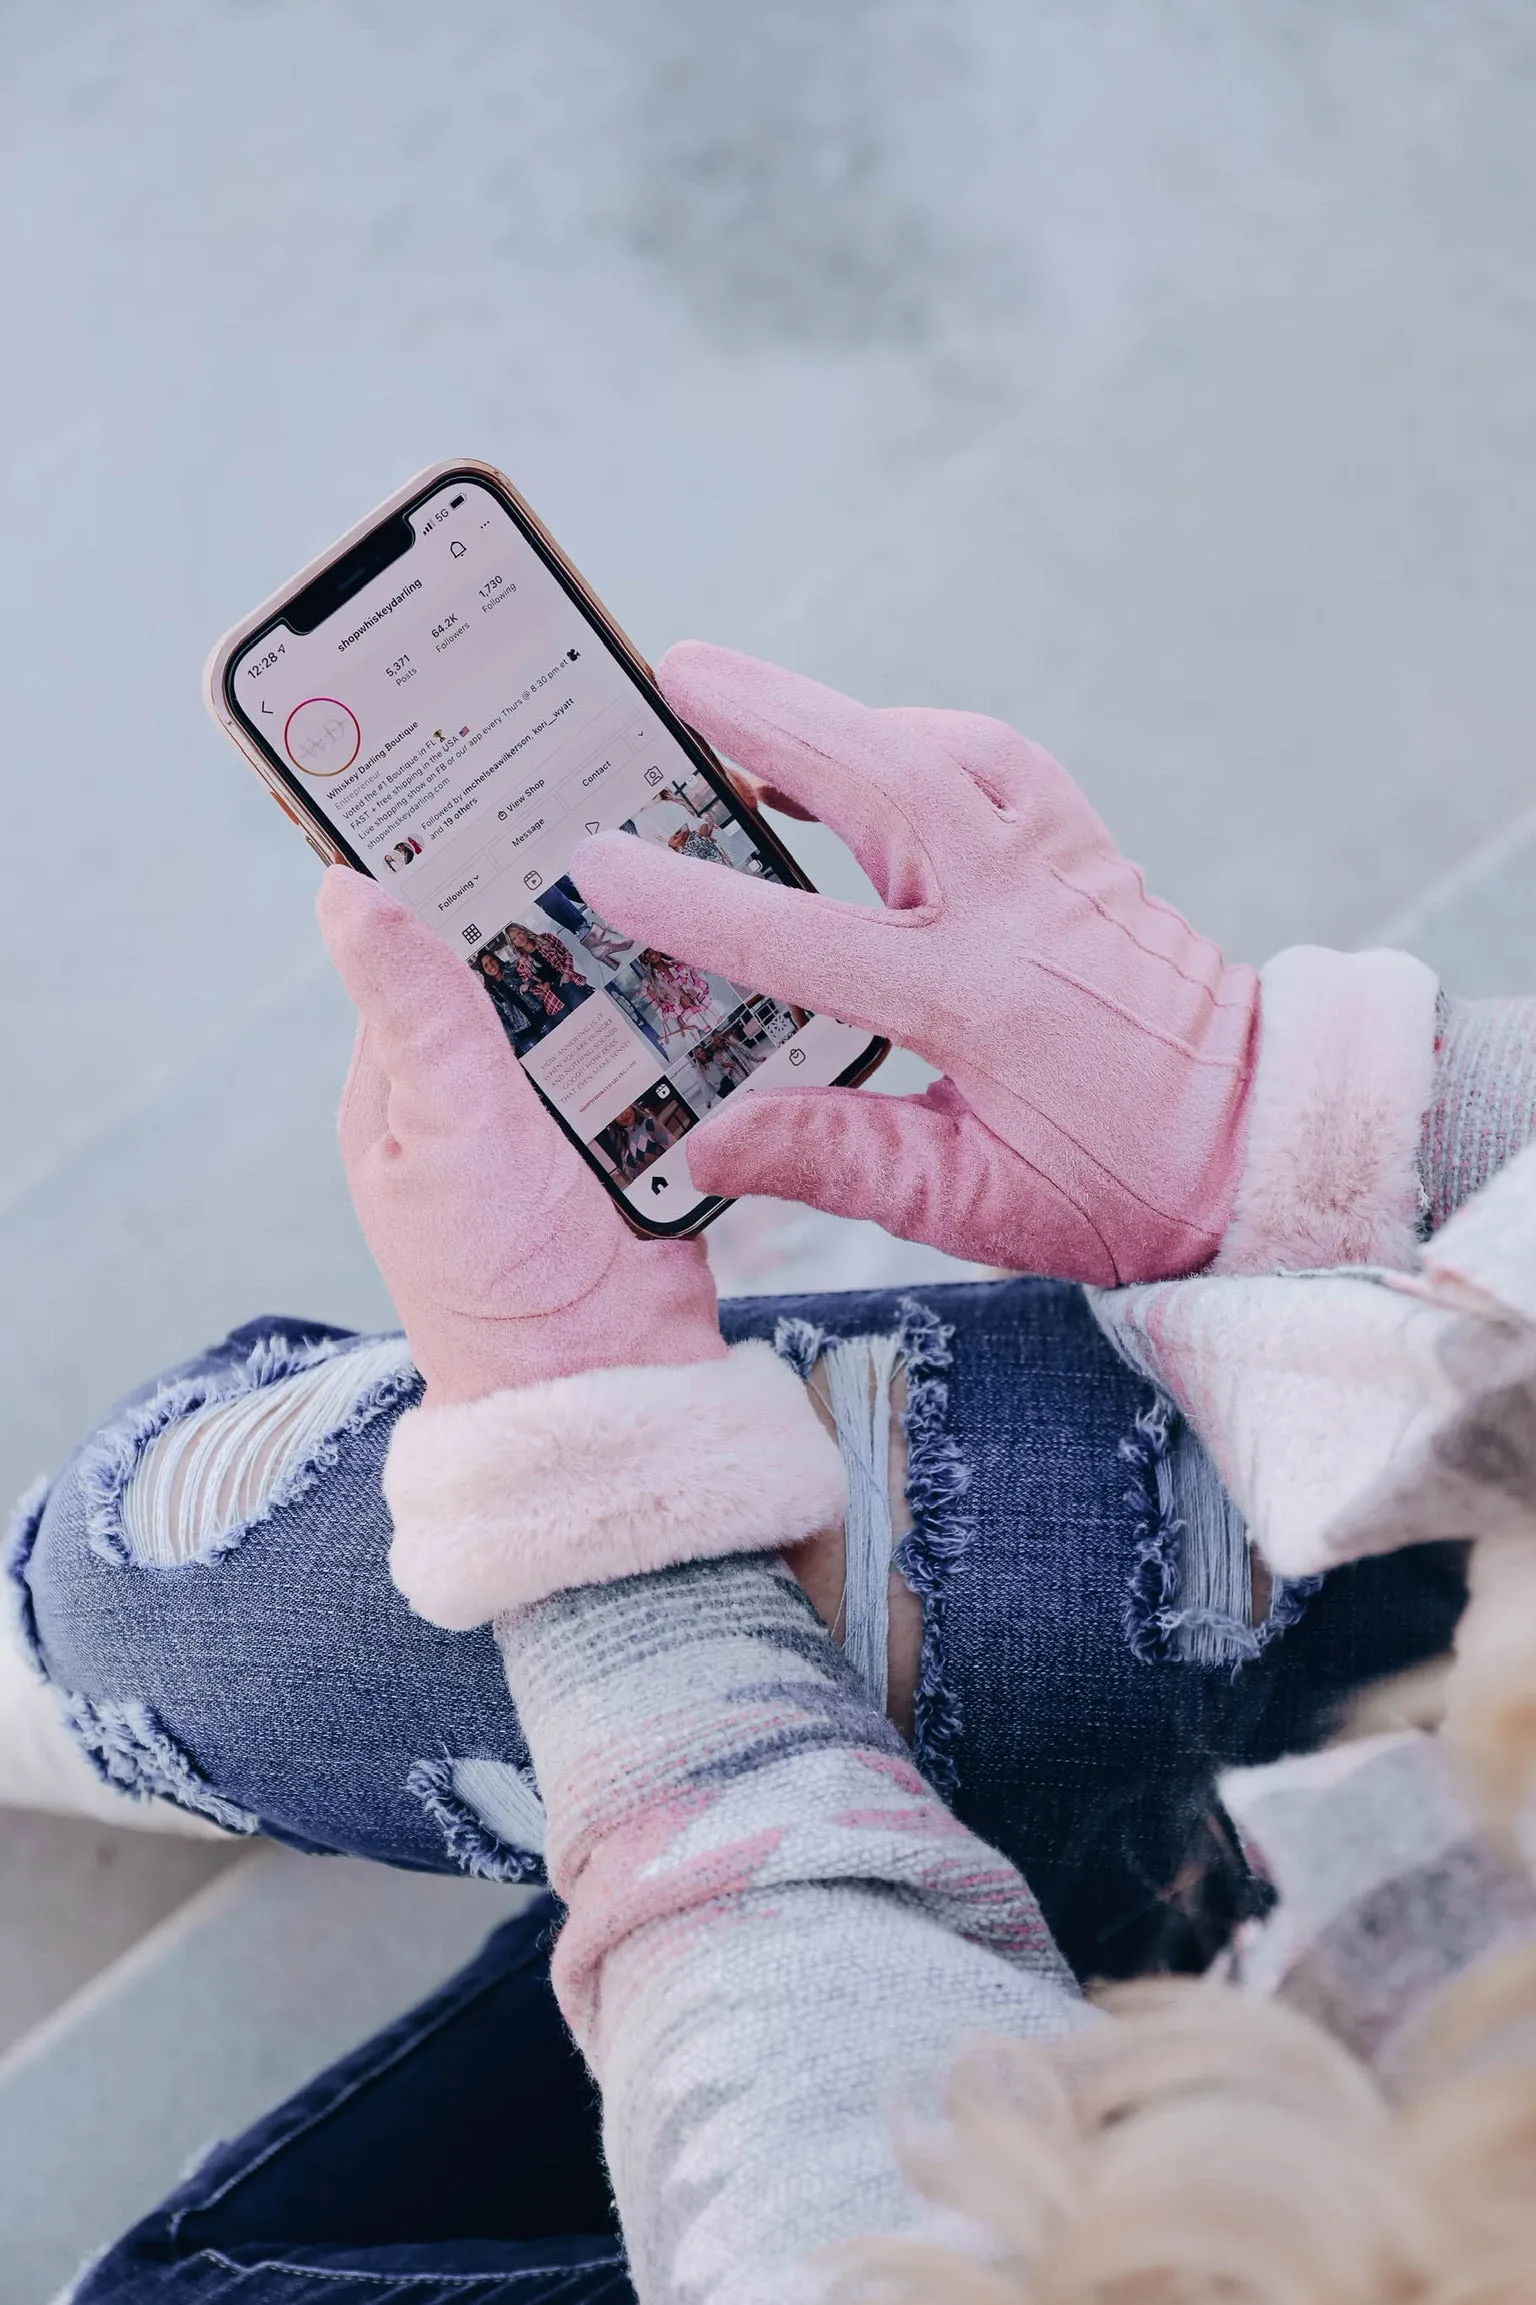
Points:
(459, 724)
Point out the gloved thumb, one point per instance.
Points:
(923, 1167)
(430, 1030)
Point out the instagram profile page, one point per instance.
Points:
(462, 727)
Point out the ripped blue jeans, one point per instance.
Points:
(205, 1585)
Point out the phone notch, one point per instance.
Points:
(334, 587)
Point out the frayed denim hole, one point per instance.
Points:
(801, 1343)
(1189, 1595)
(936, 1546)
(202, 1486)
(1288, 1599)
(130, 1748)
(1153, 1591)
(478, 1806)
(20, 1542)
(1187, 1600)
(853, 1380)
(938, 1484)
(107, 1467)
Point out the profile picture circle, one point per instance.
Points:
(321, 736)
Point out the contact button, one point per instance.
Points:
(614, 758)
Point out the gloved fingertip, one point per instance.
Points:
(601, 852)
(776, 1141)
(613, 871)
(347, 902)
(719, 1155)
(725, 693)
(690, 660)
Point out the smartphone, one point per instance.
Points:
(442, 702)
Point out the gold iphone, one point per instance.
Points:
(441, 701)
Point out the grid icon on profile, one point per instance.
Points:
(471, 935)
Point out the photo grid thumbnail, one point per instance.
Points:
(709, 1034)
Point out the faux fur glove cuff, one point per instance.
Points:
(499, 1502)
(1345, 1077)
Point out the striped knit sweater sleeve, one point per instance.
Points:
(1484, 1104)
(776, 1937)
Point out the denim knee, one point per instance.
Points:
(1096, 1648)
(206, 1587)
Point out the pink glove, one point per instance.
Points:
(507, 1260)
(583, 1418)
(1097, 1053)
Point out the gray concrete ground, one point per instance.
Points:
(254, 1985)
(107, 1884)
(1153, 373)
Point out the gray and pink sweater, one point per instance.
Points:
(777, 1932)
(778, 1938)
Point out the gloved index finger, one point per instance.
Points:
(880, 787)
(843, 959)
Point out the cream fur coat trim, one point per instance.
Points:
(499, 1502)
(1345, 1076)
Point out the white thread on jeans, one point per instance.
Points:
(505, 1801)
(214, 1470)
(858, 1373)
(1215, 1601)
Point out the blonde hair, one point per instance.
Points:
(1207, 2148)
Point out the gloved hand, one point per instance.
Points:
(583, 1419)
(506, 1259)
(1097, 1054)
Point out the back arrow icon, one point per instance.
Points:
(265, 706)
